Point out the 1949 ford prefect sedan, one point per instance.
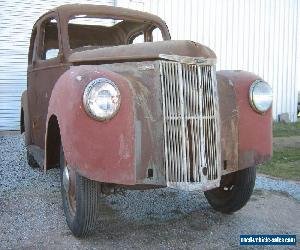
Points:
(114, 103)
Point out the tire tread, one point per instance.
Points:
(87, 205)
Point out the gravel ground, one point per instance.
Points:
(290, 187)
(31, 215)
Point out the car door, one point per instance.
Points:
(47, 66)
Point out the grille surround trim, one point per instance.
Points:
(190, 79)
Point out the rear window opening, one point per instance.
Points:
(85, 20)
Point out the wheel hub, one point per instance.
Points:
(66, 179)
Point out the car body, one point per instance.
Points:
(178, 123)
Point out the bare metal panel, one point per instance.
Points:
(191, 125)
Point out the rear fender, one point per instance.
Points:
(101, 151)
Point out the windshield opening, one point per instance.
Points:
(89, 32)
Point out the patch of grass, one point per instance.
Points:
(286, 129)
(284, 164)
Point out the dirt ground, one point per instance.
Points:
(42, 224)
(286, 142)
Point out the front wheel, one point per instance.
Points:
(80, 199)
(234, 192)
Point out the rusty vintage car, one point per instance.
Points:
(114, 103)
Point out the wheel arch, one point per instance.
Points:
(25, 118)
(22, 125)
(52, 143)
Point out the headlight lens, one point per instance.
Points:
(260, 96)
(101, 99)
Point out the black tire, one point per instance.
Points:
(234, 192)
(81, 218)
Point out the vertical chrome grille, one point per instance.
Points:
(191, 125)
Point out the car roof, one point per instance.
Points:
(67, 10)
(105, 10)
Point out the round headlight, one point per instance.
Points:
(101, 99)
(260, 96)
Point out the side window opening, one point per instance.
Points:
(50, 44)
(156, 35)
(32, 46)
(150, 35)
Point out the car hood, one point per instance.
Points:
(142, 51)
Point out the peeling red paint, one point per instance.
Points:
(93, 148)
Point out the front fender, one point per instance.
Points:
(101, 151)
(246, 135)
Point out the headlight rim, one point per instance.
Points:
(252, 103)
(85, 99)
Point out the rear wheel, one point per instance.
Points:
(234, 192)
(80, 199)
(30, 160)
